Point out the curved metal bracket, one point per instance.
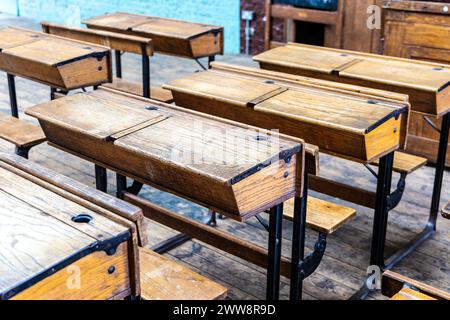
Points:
(432, 124)
(312, 261)
(395, 197)
(200, 64)
(23, 151)
(262, 222)
(212, 219)
(135, 188)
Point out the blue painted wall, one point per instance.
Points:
(219, 12)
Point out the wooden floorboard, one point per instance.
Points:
(344, 265)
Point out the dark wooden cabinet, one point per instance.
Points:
(419, 30)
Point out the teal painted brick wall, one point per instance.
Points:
(219, 12)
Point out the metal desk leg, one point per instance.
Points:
(145, 72)
(101, 178)
(274, 257)
(430, 228)
(118, 56)
(380, 219)
(210, 60)
(121, 185)
(298, 242)
(381, 210)
(440, 167)
(52, 93)
(12, 95)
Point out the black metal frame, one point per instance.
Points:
(430, 227)
(167, 244)
(275, 239)
(210, 60)
(386, 202)
(274, 253)
(298, 241)
(12, 95)
(101, 178)
(301, 267)
(118, 56)
(20, 151)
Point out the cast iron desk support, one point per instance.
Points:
(383, 206)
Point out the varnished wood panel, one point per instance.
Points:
(96, 283)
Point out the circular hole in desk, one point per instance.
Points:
(82, 218)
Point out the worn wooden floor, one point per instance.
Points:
(344, 266)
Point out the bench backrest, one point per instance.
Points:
(116, 41)
(393, 282)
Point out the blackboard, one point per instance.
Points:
(329, 5)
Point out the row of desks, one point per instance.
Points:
(112, 129)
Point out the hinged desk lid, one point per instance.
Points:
(119, 20)
(12, 37)
(308, 58)
(234, 90)
(46, 49)
(400, 73)
(327, 109)
(172, 28)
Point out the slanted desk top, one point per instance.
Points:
(58, 62)
(427, 84)
(215, 162)
(45, 230)
(182, 38)
(339, 123)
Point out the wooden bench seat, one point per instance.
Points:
(164, 279)
(446, 211)
(156, 93)
(411, 294)
(322, 216)
(20, 133)
(405, 163)
(399, 287)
